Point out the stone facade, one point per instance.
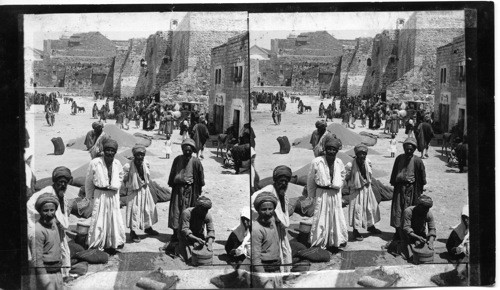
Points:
(450, 91)
(418, 41)
(318, 43)
(229, 84)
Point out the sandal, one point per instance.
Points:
(357, 236)
(134, 237)
(151, 232)
(374, 230)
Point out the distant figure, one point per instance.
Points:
(95, 111)
(424, 137)
(200, 136)
(321, 110)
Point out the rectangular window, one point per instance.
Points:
(218, 76)
(237, 73)
(443, 76)
(461, 72)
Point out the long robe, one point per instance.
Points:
(106, 224)
(63, 218)
(90, 139)
(408, 179)
(283, 222)
(184, 195)
(141, 210)
(328, 224)
(200, 135)
(424, 135)
(364, 211)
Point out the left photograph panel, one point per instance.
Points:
(138, 149)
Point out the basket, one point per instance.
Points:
(202, 257)
(422, 255)
(82, 228)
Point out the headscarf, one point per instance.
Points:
(425, 201)
(461, 230)
(61, 172)
(190, 142)
(263, 197)
(110, 143)
(282, 170)
(331, 140)
(360, 148)
(410, 140)
(321, 124)
(240, 231)
(96, 125)
(46, 198)
(204, 202)
(138, 148)
(201, 119)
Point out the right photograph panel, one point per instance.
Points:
(360, 165)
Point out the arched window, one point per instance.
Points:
(369, 62)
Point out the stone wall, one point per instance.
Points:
(359, 68)
(132, 70)
(119, 62)
(453, 91)
(232, 94)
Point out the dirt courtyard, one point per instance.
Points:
(230, 192)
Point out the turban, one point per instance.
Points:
(332, 140)
(425, 201)
(360, 148)
(110, 143)
(321, 124)
(61, 172)
(282, 170)
(139, 148)
(46, 198)
(190, 142)
(410, 140)
(204, 202)
(263, 197)
(96, 125)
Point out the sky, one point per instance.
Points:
(115, 26)
(342, 25)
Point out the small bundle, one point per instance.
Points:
(58, 145)
(284, 144)
(378, 278)
(156, 280)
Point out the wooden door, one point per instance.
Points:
(444, 118)
(219, 118)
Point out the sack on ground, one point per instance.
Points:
(315, 254)
(93, 256)
(80, 268)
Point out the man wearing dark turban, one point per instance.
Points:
(194, 221)
(102, 184)
(408, 179)
(318, 138)
(324, 185)
(364, 211)
(419, 228)
(61, 177)
(424, 134)
(47, 254)
(186, 180)
(93, 134)
(141, 209)
(265, 242)
(281, 177)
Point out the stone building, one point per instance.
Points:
(79, 63)
(229, 84)
(450, 91)
(418, 40)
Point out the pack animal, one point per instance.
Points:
(307, 108)
(224, 142)
(81, 109)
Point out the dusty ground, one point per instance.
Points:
(445, 185)
(230, 193)
(227, 191)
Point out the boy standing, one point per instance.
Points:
(47, 244)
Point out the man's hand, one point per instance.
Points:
(209, 247)
(431, 245)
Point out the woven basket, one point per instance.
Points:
(423, 255)
(202, 257)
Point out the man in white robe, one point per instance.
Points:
(324, 186)
(281, 176)
(61, 176)
(102, 184)
(141, 208)
(364, 211)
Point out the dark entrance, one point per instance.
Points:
(236, 122)
(444, 116)
(219, 118)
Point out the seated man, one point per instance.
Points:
(194, 220)
(418, 227)
(238, 243)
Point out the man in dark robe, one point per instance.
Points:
(408, 179)
(95, 111)
(92, 135)
(186, 180)
(419, 227)
(247, 135)
(424, 136)
(200, 136)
